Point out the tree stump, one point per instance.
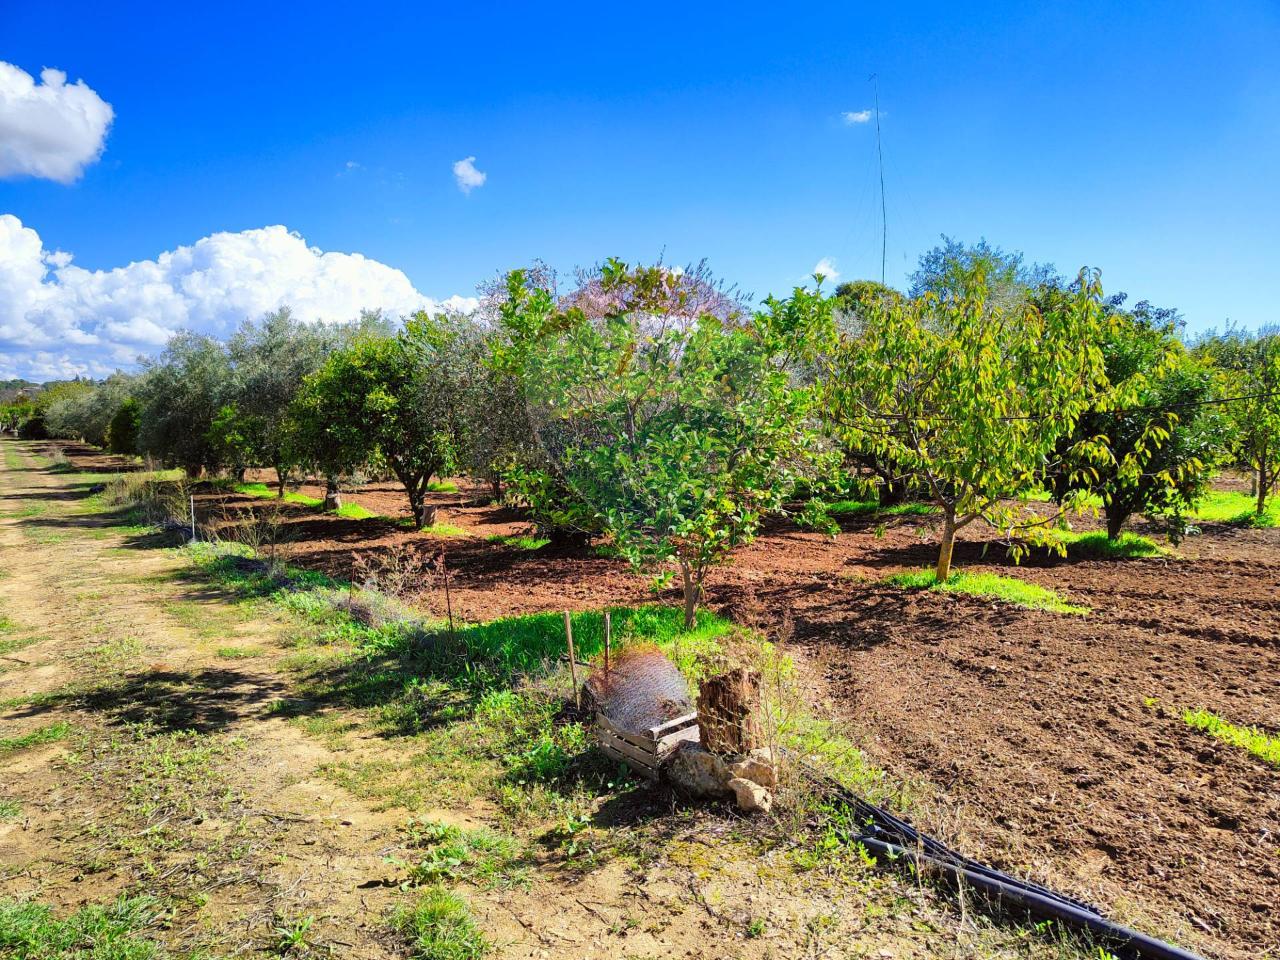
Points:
(728, 712)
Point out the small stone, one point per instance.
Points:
(751, 797)
(757, 771)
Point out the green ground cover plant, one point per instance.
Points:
(437, 925)
(1226, 506)
(1008, 589)
(116, 931)
(1096, 543)
(1258, 742)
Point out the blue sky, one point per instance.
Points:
(1140, 138)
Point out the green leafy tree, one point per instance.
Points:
(391, 397)
(966, 396)
(669, 412)
(1248, 369)
(84, 412)
(122, 430)
(1160, 441)
(524, 309)
(271, 359)
(181, 395)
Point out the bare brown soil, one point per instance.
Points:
(1049, 744)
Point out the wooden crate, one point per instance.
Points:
(645, 752)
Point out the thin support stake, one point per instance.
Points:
(448, 601)
(193, 517)
(608, 636)
(573, 663)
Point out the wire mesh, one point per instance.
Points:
(642, 689)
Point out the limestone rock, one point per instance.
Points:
(750, 796)
(698, 771)
(756, 770)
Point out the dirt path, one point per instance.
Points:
(173, 774)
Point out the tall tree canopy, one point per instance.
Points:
(966, 395)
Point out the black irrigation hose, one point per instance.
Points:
(886, 835)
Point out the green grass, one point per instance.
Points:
(1222, 506)
(438, 926)
(1261, 744)
(865, 508)
(1008, 589)
(239, 653)
(30, 931)
(262, 490)
(451, 854)
(10, 644)
(41, 735)
(435, 530)
(519, 541)
(442, 486)
(353, 511)
(1095, 544)
(9, 809)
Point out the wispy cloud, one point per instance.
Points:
(826, 268)
(468, 177)
(854, 117)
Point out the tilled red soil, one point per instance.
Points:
(1049, 744)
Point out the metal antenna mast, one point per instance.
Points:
(884, 220)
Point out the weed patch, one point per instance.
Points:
(1259, 743)
(353, 511)
(866, 508)
(51, 733)
(438, 926)
(519, 541)
(1008, 589)
(1224, 506)
(262, 490)
(450, 854)
(1095, 544)
(30, 931)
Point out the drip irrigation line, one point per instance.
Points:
(888, 836)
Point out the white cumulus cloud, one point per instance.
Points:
(468, 177)
(826, 268)
(51, 129)
(852, 117)
(58, 319)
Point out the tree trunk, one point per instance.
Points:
(692, 593)
(282, 478)
(496, 486)
(729, 712)
(943, 571)
(1115, 521)
(1262, 485)
(332, 496)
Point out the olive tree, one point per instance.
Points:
(181, 395)
(271, 359)
(967, 396)
(670, 410)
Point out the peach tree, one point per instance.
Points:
(967, 396)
